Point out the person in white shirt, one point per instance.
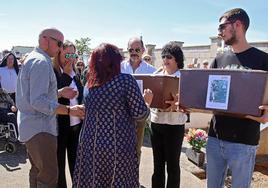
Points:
(168, 126)
(136, 65)
(9, 70)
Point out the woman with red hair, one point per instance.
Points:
(107, 154)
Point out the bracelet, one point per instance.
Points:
(68, 110)
(59, 93)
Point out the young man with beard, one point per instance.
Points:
(135, 65)
(232, 141)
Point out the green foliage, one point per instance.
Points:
(82, 45)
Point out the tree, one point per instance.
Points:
(82, 45)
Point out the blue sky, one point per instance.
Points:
(115, 21)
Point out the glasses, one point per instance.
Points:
(223, 26)
(68, 56)
(167, 56)
(137, 50)
(147, 59)
(59, 43)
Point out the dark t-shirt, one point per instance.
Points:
(232, 129)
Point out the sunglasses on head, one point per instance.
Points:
(167, 56)
(59, 43)
(68, 56)
(137, 50)
(223, 26)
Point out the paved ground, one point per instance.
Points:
(14, 170)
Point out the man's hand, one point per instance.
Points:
(67, 92)
(77, 110)
(173, 104)
(148, 96)
(264, 118)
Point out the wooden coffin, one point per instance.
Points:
(236, 92)
(162, 86)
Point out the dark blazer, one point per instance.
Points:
(68, 135)
(64, 80)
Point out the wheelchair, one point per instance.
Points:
(9, 132)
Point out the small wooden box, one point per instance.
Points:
(247, 90)
(162, 86)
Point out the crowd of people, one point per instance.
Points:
(98, 116)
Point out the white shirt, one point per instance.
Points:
(171, 118)
(8, 79)
(73, 119)
(143, 68)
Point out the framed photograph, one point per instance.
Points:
(218, 91)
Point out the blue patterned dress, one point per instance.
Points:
(107, 154)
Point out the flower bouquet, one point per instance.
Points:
(197, 138)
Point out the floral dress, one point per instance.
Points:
(107, 154)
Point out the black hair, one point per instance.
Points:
(237, 14)
(174, 49)
(15, 64)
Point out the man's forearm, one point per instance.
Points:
(63, 110)
(76, 110)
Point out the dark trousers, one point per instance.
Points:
(13, 96)
(67, 141)
(166, 144)
(42, 153)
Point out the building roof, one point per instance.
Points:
(21, 50)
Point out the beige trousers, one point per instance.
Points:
(140, 126)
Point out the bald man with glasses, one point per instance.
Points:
(38, 105)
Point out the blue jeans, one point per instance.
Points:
(239, 158)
